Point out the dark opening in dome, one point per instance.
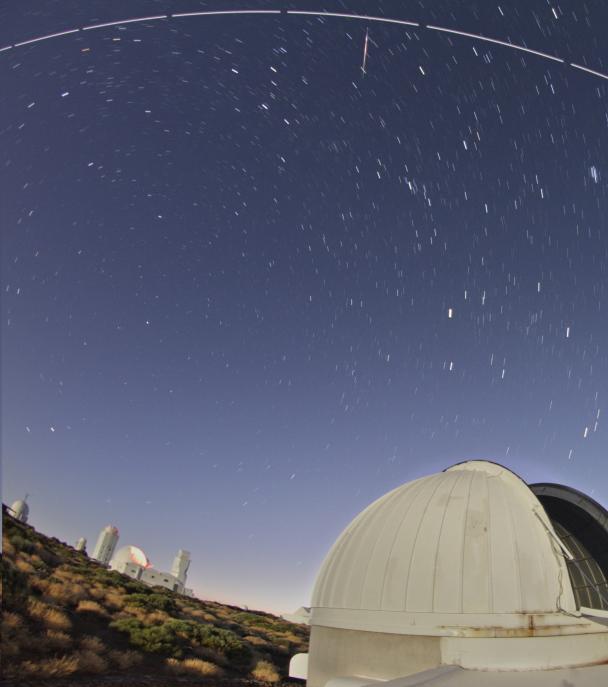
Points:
(582, 525)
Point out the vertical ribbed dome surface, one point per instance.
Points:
(472, 539)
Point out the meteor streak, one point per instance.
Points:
(364, 64)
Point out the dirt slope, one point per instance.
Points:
(68, 620)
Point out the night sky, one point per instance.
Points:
(247, 288)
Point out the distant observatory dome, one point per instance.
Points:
(130, 554)
(20, 510)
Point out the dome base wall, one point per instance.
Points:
(336, 652)
(375, 655)
(529, 653)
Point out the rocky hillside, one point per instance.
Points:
(67, 619)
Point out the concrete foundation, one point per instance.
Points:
(374, 655)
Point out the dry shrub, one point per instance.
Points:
(52, 618)
(43, 554)
(47, 667)
(11, 621)
(65, 593)
(125, 659)
(63, 573)
(16, 638)
(24, 565)
(194, 667)
(56, 640)
(78, 592)
(10, 647)
(94, 644)
(265, 672)
(90, 662)
(210, 655)
(157, 617)
(90, 606)
(36, 561)
(7, 547)
(55, 591)
(39, 583)
(199, 613)
(66, 574)
(97, 592)
(115, 600)
(137, 612)
(257, 641)
(12, 628)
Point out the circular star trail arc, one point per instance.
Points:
(338, 15)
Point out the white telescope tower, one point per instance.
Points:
(106, 543)
(181, 564)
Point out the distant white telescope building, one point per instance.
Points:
(180, 566)
(132, 561)
(468, 577)
(20, 510)
(301, 616)
(81, 544)
(106, 543)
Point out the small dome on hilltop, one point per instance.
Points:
(130, 554)
(20, 510)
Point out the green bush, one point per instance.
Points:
(224, 641)
(175, 636)
(259, 621)
(22, 544)
(152, 602)
(158, 639)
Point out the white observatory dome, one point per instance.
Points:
(463, 569)
(470, 547)
(20, 510)
(130, 555)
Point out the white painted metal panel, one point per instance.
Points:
(449, 560)
(396, 512)
(476, 575)
(422, 573)
(397, 568)
(471, 540)
(506, 586)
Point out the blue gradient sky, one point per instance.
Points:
(229, 261)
